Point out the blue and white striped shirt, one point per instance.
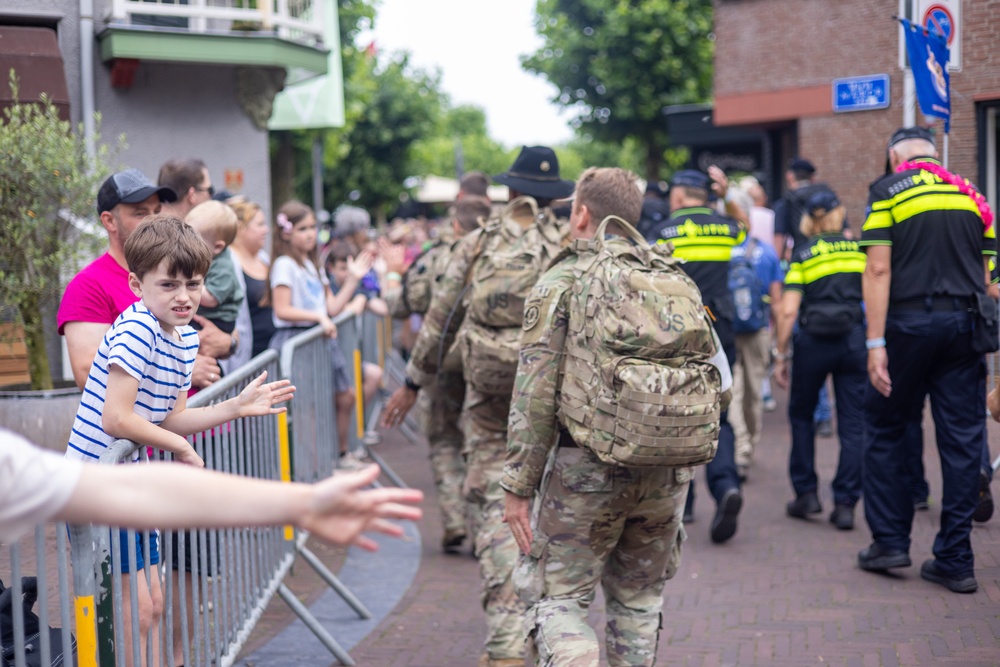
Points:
(162, 365)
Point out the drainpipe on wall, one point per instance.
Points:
(87, 74)
(909, 87)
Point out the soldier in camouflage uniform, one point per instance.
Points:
(445, 395)
(534, 182)
(593, 522)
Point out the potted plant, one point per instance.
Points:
(47, 187)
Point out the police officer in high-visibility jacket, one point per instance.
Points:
(823, 293)
(706, 240)
(930, 237)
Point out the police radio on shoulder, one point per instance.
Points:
(875, 343)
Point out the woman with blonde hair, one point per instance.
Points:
(254, 322)
(823, 296)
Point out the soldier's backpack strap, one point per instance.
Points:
(548, 225)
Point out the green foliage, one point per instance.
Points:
(354, 17)
(618, 63)
(589, 152)
(463, 125)
(46, 182)
(389, 107)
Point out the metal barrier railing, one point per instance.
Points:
(294, 20)
(41, 558)
(225, 577)
(215, 583)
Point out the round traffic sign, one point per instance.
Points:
(938, 20)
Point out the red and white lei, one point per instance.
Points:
(962, 184)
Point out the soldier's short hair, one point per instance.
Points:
(610, 191)
(469, 210)
(474, 183)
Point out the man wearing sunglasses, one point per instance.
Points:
(190, 179)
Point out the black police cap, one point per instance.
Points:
(803, 165)
(690, 178)
(822, 202)
(905, 133)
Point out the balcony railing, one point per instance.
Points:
(294, 20)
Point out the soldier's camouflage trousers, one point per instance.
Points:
(441, 415)
(596, 523)
(485, 426)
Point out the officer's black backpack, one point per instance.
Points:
(32, 636)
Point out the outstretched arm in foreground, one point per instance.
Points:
(163, 495)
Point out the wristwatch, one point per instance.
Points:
(234, 343)
(410, 384)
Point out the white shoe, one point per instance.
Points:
(353, 461)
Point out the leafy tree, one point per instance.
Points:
(390, 106)
(47, 186)
(464, 126)
(354, 17)
(584, 151)
(618, 63)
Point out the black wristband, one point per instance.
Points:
(410, 384)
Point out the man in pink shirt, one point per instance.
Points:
(100, 292)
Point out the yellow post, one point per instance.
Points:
(386, 343)
(359, 403)
(380, 337)
(86, 631)
(285, 461)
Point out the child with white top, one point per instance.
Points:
(301, 299)
(138, 384)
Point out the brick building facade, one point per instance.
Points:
(775, 61)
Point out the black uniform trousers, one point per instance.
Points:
(928, 352)
(814, 358)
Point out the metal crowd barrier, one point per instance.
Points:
(45, 627)
(233, 573)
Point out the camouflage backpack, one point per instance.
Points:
(418, 281)
(511, 260)
(638, 389)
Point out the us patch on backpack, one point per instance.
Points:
(510, 262)
(638, 389)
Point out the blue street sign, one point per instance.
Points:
(861, 93)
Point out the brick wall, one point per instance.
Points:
(771, 45)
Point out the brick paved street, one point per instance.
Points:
(782, 592)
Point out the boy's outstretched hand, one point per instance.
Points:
(342, 510)
(259, 399)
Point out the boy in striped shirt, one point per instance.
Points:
(138, 384)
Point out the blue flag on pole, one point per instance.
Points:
(929, 54)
